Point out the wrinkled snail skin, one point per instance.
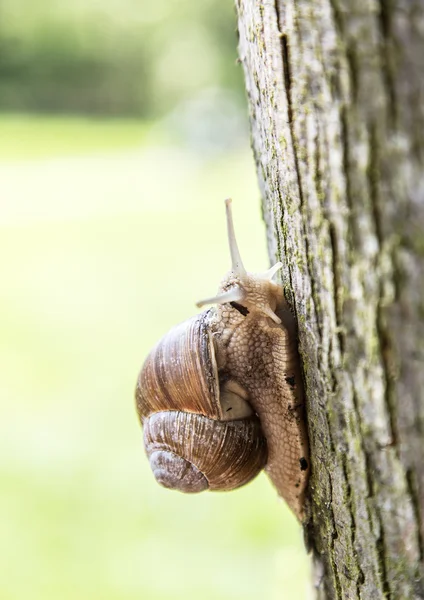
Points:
(221, 395)
(262, 356)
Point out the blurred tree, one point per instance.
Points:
(126, 58)
(336, 96)
(53, 70)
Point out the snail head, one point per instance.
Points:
(257, 292)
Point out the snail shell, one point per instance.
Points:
(199, 432)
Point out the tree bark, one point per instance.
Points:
(336, 98)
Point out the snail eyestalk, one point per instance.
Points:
(271, 272)
(236, 262)
(271, 314)
(235, 294)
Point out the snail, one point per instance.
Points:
(220, 397)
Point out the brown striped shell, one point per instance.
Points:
(199, 432)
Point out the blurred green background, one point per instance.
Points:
(123, 128)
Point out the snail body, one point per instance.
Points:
(221, 396)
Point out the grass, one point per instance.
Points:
(31, 137)
(102, 253)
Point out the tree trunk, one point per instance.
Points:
(336, 99)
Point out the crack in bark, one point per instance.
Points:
(367, 462)
(290, 300)
(344, 134)
(373, 179)
(334, 535)
(387, 354)
(325, 556)
(336, 286)
(334, 245)
(386, 345)
(359, 580)
(380, 540)
(381, 558)
(316, 162)
(385, 23)
(288, 83)
(337, 16)
(352, 61)
(412, 486)
(368, 470)
(370, 491)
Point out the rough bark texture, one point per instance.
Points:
(336, 99)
